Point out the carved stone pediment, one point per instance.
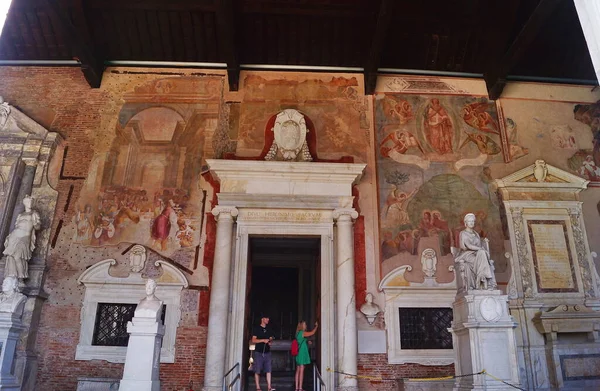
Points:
(542, 175)
(541, 181)
(14, 121)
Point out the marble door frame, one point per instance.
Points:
(237, 324)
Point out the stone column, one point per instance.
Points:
(589, 18)
(347, 340)
(216, 343)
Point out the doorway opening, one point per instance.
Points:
(283, 282)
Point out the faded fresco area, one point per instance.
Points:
(586, 162)
(334, 104)
(570, 130)
(433, 166)
(145, 188)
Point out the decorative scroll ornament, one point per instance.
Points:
(522, 254)
(289, 138)
(584, 266)
(4, 112)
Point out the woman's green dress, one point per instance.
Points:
(303, 358)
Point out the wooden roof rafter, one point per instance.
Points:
(92, 65)
(496, 77)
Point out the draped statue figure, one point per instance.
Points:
(20, 243)
(473, 258)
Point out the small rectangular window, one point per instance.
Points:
(425, 328)
(110, 327)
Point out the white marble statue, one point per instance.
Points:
(11, 300)
(370, 309)
(473, 258)
(150, 306)
(20, 243)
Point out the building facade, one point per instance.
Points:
(343, 210)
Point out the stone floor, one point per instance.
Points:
(281, 381)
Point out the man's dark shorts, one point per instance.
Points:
(262, 362)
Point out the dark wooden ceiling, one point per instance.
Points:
(496, 38)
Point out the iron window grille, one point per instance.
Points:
(110, 328)
(425, 328)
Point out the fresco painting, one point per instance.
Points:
(433, 168)
(145, 189)
(586, 162)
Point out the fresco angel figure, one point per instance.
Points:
(476, 115)
(484, 143)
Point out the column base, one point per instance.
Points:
(139, 385)
(9, 383)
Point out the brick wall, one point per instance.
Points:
(376, 374)
(60, 100)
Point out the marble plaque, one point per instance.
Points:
(291, 215)
(580, 366)
(552, 260)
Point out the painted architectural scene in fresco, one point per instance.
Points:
(586, 162)
(146, 190)
(433, 160)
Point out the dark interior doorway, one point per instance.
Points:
(283, 281)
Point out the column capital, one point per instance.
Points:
(223, 211)
(345, 214)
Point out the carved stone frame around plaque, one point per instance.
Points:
(544, 220)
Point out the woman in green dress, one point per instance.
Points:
(303, 358)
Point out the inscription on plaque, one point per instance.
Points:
(553, 263)
(298, 216)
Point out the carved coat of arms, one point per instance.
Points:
(289, 142)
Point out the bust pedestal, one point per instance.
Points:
(10, 330)
(143, 354)
(483, 337)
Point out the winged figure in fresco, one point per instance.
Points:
(477, 116)
(397, 108)
(484, 143)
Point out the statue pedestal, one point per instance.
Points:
(10, 330)
(143, 355)
(483, 337)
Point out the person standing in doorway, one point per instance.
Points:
(262, 338)
(303, 358)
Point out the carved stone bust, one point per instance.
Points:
(370, 309)
(150, 306)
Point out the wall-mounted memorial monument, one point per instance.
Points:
(553, 290)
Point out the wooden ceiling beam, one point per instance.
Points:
(92, 65)
(374, 57)
(227, 43)
(495, 78)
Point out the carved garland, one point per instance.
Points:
(517, 214)
(574, 214)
